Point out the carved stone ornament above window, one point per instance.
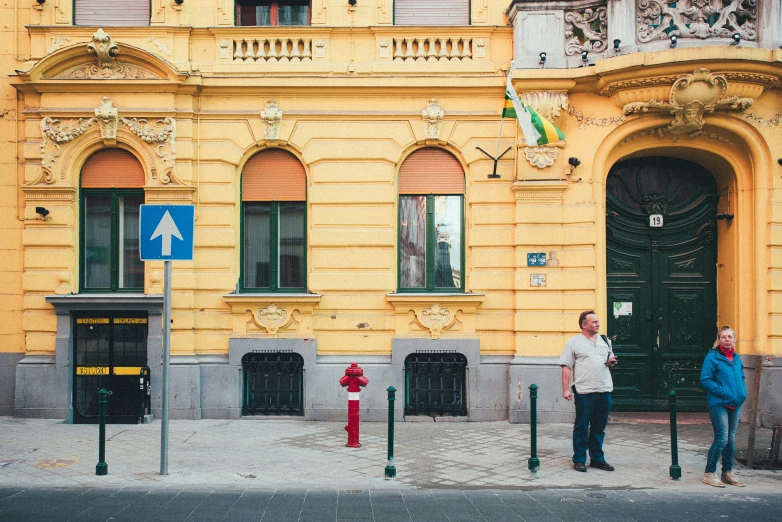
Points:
(433, 118)
(702, 19)
(106, 66)
(546, 103)
(435, 319)
(586, 29)
(54, 134)
(272, 315)
(272, 120)
(435, 314)
(691, 98)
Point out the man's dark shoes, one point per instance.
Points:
(580, 466)
(601, 464)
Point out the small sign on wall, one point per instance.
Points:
(623, 308)
(537, 280)
(656, 220)
(536, 259)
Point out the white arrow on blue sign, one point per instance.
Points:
(166, 232)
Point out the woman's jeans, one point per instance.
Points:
(589, 430)
(725, 423)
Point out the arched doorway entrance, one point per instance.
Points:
(661, 256)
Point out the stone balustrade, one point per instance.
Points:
(433, 48)
(270, 49)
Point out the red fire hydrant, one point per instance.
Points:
(354, 377)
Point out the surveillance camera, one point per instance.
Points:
(574, 162)
(584, 55)
(674, 40)
(353, 2)
(543, 57)
(42, 211)
(617, 43)
(779, 161)
(736, 39)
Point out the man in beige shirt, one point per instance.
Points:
(587, 379)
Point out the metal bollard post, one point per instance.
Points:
(390, 468)
(102, 468)
(675, 471)
(533, 463)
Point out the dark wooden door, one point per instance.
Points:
(663, 279)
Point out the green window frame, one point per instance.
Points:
(281, 264)
(126, 270)
(437, 255)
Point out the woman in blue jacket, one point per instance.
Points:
(723, 377)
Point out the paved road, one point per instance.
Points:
(136, 504)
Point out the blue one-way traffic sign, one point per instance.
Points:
(166, 232)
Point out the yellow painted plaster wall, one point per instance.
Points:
(351, 129)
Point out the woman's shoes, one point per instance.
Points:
(712, 480)
(729, 478)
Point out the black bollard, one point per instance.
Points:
(533, 463)
(390, 468)
(675, 471)
(102, 468)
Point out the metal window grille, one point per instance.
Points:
(435, 384)
(273, 383)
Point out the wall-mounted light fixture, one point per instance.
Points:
(722, 216)
(179, 2)
(674, 41)
(41, 211)
(779, 161)
(542, 59)
(617, 43)
(353, 3)
(572, 163)
(736, 39)
(585, 57)
(41, 2)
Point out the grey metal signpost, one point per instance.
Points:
(158, 226)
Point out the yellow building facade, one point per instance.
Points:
(348, 205)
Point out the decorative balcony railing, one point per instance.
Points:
(432, 48)
(290, 49)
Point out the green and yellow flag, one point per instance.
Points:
(537, 130)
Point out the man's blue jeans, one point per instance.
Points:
(725, 422)
(590, 426)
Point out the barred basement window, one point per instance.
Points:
(436, 384)
(273, 383)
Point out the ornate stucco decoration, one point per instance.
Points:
(583, 121)
(54, 134)
(272, 319)
(659, 19)
(550, 106)
(106, 65)
(541, 156)
(435, 319)
(663, 132)
(163, 48)
(691, 98)
(272, 120)
(57, 43)
(586, 29)
(107, 115)
(432, 115)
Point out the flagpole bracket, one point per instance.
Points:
(494, 174)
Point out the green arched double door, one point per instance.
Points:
(662, 280)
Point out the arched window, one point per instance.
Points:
(112, 182)
(431, 222)
(274, 224)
